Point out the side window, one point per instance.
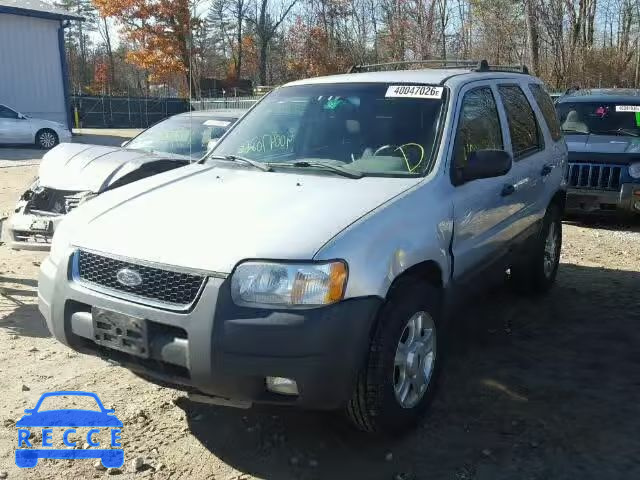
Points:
(7, 112)
(478, 126)
(523, 128)
(548, 110)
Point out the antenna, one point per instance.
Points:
(190, 37)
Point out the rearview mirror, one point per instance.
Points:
(486, 164)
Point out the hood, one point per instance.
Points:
(209, 218)
(81, 167)
(603, 148)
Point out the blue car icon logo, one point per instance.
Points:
(70, 419)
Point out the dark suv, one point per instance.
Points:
(602, 130)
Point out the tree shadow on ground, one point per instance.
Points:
(25, 320)
(537, 388)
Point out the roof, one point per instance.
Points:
(602, 95)
(431, 76)
(36, 8)
(223, 113)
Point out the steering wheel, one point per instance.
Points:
(384, 147)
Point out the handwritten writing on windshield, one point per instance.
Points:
(270, 142)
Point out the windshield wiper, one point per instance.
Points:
(326, 166)
(247, 161)
(622, 131)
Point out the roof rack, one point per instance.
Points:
(474, 65)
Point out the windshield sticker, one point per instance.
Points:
(216, 123)
(414, 91)
(628, 108)
(270, 142)
(602, 111)
(333, 103)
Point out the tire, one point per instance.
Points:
(375, 406)
(46, 139)
(538, 273)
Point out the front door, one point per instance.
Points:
(483, 207)
(14, 129)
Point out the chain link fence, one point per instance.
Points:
(124, 112)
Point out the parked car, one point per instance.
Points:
(73, 173)
(17, 128)
(602, 130)
(314, 258)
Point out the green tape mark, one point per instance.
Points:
(637, 119)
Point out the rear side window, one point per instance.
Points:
(523, 128)
(478, 127)
(548, 110)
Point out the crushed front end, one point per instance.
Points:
(37, 214)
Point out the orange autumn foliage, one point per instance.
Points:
(158, 30)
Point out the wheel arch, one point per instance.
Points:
(428, 271)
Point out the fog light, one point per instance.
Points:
(284, 386)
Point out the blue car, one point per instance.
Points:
(71, 418)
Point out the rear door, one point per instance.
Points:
(483, 207)
(527, 148)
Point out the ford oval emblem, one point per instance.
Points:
(128, 277)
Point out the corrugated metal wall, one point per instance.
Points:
(31, 78)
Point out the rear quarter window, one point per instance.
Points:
(548, 110)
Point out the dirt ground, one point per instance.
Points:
(545, 388)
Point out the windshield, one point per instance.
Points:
(190, 138)
(600, 118)
(372, 129)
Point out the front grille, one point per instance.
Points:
(594, 176)
(158, 284)
(53, 201)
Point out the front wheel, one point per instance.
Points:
(538, 272)
(46, 139)
(399, 380)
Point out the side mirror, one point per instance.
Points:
(125, 143)
(486, 164)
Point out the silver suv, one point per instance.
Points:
(314, 257)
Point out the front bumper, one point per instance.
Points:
(220, 349)
(626, 200)
(24, 233)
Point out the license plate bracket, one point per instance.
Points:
(120, 332)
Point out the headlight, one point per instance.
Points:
(288, 284)
(634, 170)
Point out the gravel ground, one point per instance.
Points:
(545, 388)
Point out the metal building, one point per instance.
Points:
(33, 66)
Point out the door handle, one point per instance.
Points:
(507, 190)
(546, 170)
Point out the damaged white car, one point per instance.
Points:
(72, 173)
